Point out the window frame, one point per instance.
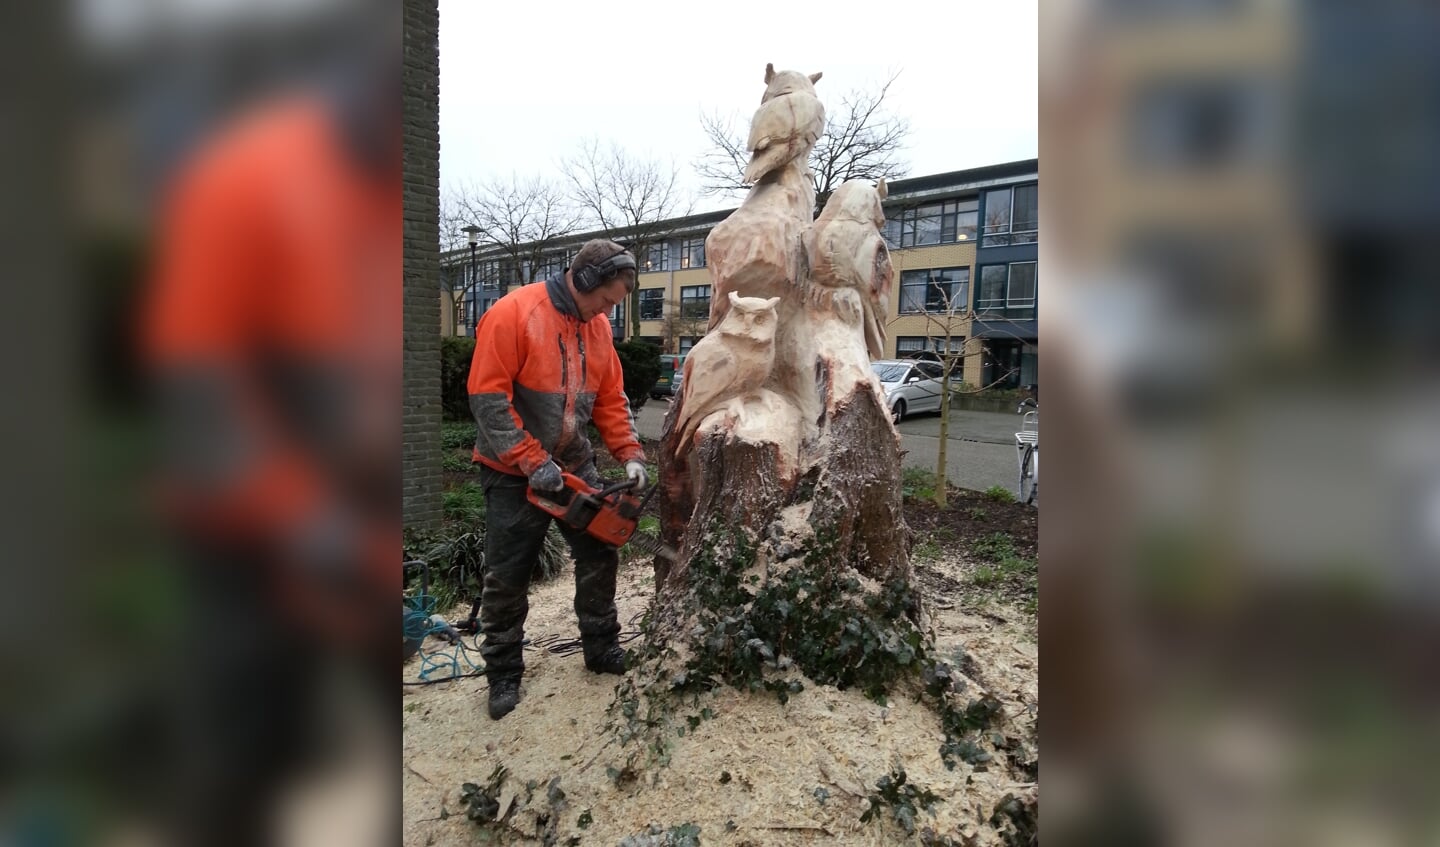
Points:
(1005, 304)
(686, 299)
(929, 344)
(991, 235)
(647, 301)
(617, 319)
(902, 229)
(660, 249)
(960, 305)
(689, 247)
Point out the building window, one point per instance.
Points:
(511, 273)
(553, 265)
(1005, 288)
(692, 253)
(938, 223)
(1201, 123)
(652, 304)
(686, 342)
(935, 290)
(490, 274)
(907, 346)
(1012, 216)
(617, 320)
(657, 258)
(694, 301)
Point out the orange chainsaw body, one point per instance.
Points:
(609, 514)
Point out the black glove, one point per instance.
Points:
(547, 477)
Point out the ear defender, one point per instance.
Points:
(591, 277)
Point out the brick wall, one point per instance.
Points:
(421, 454)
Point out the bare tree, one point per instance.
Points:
(519, 219)
(629, 198)
(862, 141)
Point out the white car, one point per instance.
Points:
(910, 386)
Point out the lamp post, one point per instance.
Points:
(472, 232)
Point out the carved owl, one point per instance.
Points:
(845, 249)
(734, 358)
(786, 125)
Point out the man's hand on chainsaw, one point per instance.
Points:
(636, 470)
(547, 477)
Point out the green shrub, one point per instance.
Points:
(455, 435)
(640, 364)
(455, 356)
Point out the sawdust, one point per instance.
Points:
(757, 773)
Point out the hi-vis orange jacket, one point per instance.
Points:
(538, 376)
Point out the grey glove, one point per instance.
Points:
(636, 471)
(547, 477)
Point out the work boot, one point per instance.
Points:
(610, 661)
(504, 694)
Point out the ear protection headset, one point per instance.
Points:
(591, 277)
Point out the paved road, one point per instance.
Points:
(980, 450)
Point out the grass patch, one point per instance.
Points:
(1004, 569)
(465, 503)
(917, 482)
(927, 551)
(1000, 494)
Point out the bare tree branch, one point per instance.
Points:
(519, 219)
(630, 199)
(862, 141)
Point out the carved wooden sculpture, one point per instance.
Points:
(780, 468)
(781, 410)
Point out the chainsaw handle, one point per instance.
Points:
(616, 488)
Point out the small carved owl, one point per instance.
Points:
(787, 124)
(736, 357)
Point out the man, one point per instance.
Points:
(544, 367)
(270, 330)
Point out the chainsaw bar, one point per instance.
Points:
(650, 544)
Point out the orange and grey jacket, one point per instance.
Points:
(539, 375)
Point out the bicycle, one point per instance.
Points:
(1027, 447)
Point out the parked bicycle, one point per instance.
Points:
(1027, 447)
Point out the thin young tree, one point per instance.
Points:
(947, 314)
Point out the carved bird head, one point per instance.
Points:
(787, 82)
(857, 200)
(751, 317)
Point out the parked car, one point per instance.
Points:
(910, 386)
(669, 382)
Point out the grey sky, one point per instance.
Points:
(522, 82)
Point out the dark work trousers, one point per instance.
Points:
(514, 533)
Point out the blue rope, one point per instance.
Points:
(418, 624)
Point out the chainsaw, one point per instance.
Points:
(609, 514)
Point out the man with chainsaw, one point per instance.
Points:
(545, 366)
